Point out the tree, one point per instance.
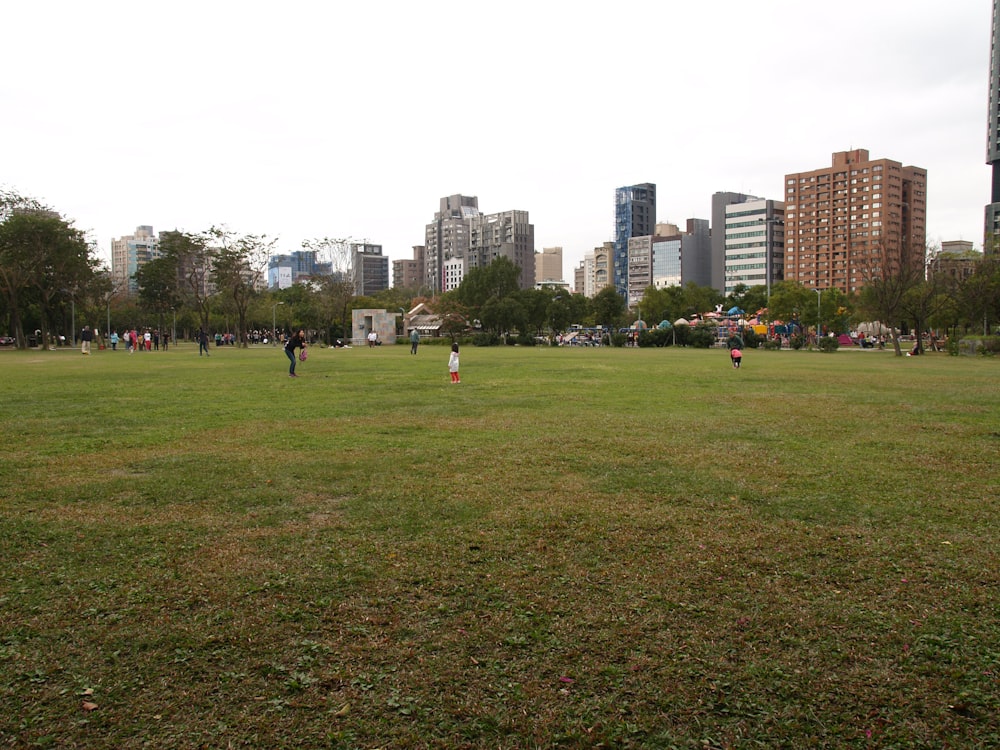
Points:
(454, 315)
(499, 279)
(502, 314)
(238, 269)
(886, 282)
(41, 252)
(17, 268)
(191, 257)
(158, 285)
(609, 307)
(791, 301)
(337, 290)
(748, 298)
(979, 295)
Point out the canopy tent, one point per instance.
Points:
(639, 325)
(873, 328)
(664, 324)
(735, 311)
(681, 322)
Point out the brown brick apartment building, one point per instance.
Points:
(841, 219)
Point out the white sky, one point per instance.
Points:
(352, 119)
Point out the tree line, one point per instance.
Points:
(50, 276)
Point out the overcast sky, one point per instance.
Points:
(352, 119)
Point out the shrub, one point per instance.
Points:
(702, 336)
(486, 339)
(771, 344)
(656, 337)
(524, 339)
(750, 339)
(797, 341)
(618, 339)
(828, 344)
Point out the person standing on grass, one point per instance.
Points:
(203, 342)
(114, 340)
(736, 356)
(453, 364)
(86, 336)
(295, 341)
(414, 340)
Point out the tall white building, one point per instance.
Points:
(129, 254)
(754, 243)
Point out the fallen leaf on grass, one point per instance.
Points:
(344, 710)
(88, 706)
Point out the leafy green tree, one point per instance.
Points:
(535, 303)
(18, 267)
(499, 279)
(700, 299)
(503, 314)
(792, 301)
(158, 285)
(43, 253)
(609, 307)
(748, 298)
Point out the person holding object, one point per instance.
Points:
(295, 341)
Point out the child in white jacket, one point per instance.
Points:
(453, 364)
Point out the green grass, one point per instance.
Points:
(575, 548)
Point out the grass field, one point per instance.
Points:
(572, 548)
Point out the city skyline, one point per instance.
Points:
(271, 123)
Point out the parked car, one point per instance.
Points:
(7, 341)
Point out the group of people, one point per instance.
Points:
(298, 341)
(148, 340)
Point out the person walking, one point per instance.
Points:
(295, 341)
(453, 364)
(414, 340)
(86, 336)
(114, 340)
(203, 342)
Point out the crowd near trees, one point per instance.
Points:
(52, 283)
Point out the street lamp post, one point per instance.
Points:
(274, 323)
(819, 311)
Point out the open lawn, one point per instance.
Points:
(573, 547)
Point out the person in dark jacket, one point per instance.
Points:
(295, 341)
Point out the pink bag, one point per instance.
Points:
(302, 355)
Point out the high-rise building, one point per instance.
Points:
(597, 266)
(410, 274)
(447, 236)
(508, 234)
(635, 216)
(720, 201)
(370, 269)
(992, 229)
(285, 270)
(129, 254)
(843, 220)
(754, 240)
(549, 264)
(681, 256)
